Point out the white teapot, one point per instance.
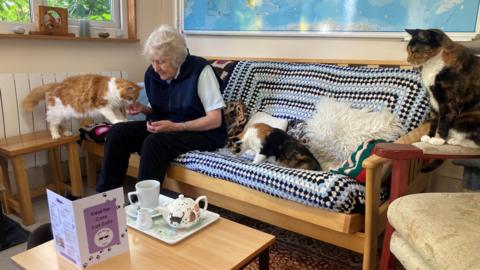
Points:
(182, 212)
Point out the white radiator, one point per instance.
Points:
(13, 121)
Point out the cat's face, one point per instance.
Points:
(129, 91)
(424, 45)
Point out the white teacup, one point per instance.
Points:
(144, 218)
(147, 192)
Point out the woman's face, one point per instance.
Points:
(163, 66)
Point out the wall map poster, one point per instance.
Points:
(327, 16)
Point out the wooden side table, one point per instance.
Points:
(14, 148)
(222, 245)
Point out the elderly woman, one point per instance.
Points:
(185, 113)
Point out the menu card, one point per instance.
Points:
(89, 230)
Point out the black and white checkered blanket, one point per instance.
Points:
(291, 91)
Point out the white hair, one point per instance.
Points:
(168, 42)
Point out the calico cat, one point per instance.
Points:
(82, 96)
(267, 141)
(451, 76)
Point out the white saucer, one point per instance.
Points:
(131, 211)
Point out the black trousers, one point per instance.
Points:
(156, 150)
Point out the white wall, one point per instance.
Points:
(298, 47)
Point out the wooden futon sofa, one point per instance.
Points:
(358, 232)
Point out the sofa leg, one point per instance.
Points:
(369, 260)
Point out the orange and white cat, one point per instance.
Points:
(82, 96)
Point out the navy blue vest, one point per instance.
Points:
(178, 101)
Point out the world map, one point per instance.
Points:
(326, 16)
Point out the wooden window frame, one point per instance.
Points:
(130, 29)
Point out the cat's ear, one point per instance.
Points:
(437, 34)
(412, 32)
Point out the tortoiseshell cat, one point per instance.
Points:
(267, 141)
(451, 75)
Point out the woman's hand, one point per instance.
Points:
(163, 126)
(135, 108)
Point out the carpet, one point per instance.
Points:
(11, 233)
(294, 251)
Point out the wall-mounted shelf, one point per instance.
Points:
(50, 37)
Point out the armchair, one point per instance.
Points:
(401, 156)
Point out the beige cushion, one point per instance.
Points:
(408, 257)
(444, 228)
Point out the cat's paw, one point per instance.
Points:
(453, 141)
(259, 158)
(117, 121)
(425, 138)
(437, 141)
(67, 133)
(55, 136)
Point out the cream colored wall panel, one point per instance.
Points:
(39, 117)
(116, 74)
(106, 73)
(9, 104)
(39, 112)
(22, 88)
(298, 47)
(25, 119)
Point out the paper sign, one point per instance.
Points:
(89, 230)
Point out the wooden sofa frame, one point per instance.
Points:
(356, 232)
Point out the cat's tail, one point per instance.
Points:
(37, 94)
(432, 166)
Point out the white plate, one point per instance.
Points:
(169, 235)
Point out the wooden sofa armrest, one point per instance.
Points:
(401, 156)
(421, 150)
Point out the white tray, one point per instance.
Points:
(169, 235)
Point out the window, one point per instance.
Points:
(104, 15)
(15, 11)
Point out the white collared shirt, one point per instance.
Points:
(208, 89)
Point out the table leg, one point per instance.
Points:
(3, 227)
(91, 170)
(263, 259)
(23, 191)
(74, 170)
(54, 156)
(5, 180)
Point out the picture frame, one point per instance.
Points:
(52, 21)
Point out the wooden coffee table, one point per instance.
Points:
(222, 245)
